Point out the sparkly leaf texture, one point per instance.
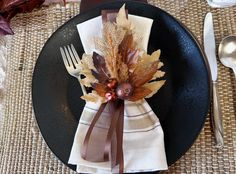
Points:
(119, 61)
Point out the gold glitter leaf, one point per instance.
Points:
(154, 87)
(121, 19)
(146, 58)
(86, 67)
(158, 74)
(112, 37)
(123, 72)
(143, 73)
(93, 97)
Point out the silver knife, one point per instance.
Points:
(210, 50)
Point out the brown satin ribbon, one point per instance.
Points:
(119, 135)
(115, 113)
(84, 148)
(116, 128)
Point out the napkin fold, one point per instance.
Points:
(221, 3)
(143, 138)
(143, 141)
(91, 29)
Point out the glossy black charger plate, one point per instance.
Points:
(181, 104)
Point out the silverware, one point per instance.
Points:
(72, 63)
(210, 50)
(227, 52)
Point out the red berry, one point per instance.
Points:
(110, 96)
(112, 83)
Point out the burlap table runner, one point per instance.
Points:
(22, 149)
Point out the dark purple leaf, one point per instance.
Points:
(4, 26)
(99, 62)
(19, 5)
(9, 8)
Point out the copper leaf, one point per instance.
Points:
(143, 74)
(139, 93)
(101, 89)
(127, 51)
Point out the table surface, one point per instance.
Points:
(22, 149)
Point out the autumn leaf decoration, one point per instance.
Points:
(120, 70)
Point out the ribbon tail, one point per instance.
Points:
(115, 116)
(84, 148)
(117, 126)
(119, 133)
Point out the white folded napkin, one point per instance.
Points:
(221, 3)
(143, 139)
(92, 28)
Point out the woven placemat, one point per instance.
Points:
(22, 149)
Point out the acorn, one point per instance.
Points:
(112, 83)
(110, 96)
(124, 90)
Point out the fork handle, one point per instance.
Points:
(217, 118)
(81, 85)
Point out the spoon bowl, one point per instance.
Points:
(227, 52)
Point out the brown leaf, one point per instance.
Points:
(129, 54)
(125, 46)
(101, 74)
(143, 74)
(101, 89)
(139, 93)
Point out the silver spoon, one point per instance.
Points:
(227, 52)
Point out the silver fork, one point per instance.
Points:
(72, 63)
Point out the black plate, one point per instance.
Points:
(181, 104)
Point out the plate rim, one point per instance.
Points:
(187, 30)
